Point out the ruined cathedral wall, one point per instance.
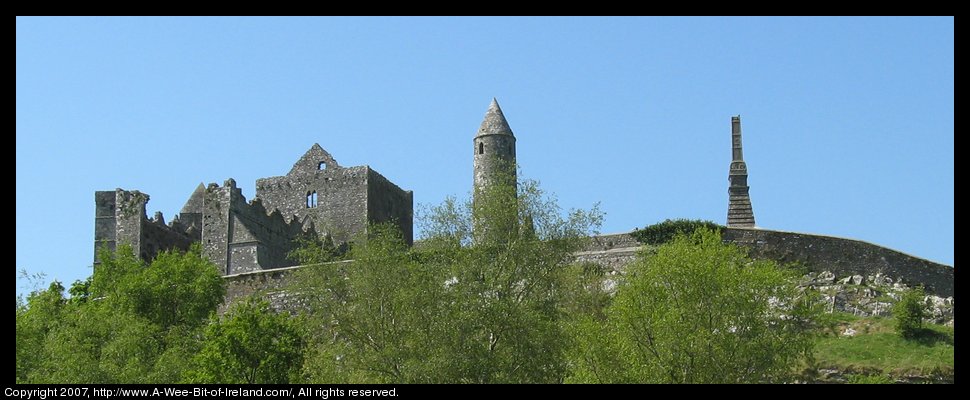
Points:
(341, 199)
(260, 240)
(105, 222)
(120, 219)
(240, 236)
(388, 202)
(157, 237)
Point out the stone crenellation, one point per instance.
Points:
(120, 218)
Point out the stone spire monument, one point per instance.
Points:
(740, 213)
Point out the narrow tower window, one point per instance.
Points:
(311, 199)
(481, 148)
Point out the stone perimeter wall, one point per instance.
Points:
(817, 253)
(612, 251)
(269, 283)
(844, 257)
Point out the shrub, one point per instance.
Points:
(665, 231)
(909, 313)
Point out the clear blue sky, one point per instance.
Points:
(848, 122)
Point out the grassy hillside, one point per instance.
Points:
(876, 353)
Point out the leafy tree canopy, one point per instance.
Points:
(697, 311)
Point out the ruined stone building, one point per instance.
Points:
(249, 240)
(317, 196)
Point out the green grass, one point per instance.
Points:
(868, 379)
(877, 348)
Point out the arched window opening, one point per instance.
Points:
(311, 199)
(322, 166)
(481, 148)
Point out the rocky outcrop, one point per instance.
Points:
(872, 295)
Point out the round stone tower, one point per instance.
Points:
(494, 149)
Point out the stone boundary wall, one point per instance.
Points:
(817, 253)
(269, 282)
(844, 257)
(611, 241)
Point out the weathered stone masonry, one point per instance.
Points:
(844, 257)
(818, 253)
(494, 150)
(317, 196)
(337, 200)
(242, 237)
(740, 212)
(120, 218)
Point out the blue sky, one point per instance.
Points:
(848, 122)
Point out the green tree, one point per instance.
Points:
(378, 315)
(587, 291)
(176, 289)
(95, 344)
(36, 317)
(125, 324)
(80, 290)
(312, 249)
(697, 311)
(479, 300)
(508, 285)
(909, 312)
(251, 343)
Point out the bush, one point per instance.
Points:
(909, 313)
(250, 343)
(314, 249)
(664, 232)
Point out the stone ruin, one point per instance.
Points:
(317, 197)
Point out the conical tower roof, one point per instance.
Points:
(494, 122)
